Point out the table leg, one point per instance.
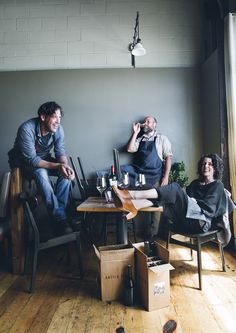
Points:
(121, 229)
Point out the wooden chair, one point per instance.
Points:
(195, 243)
(34, 245)
(85, 191)
(4, 220)
(82, 183)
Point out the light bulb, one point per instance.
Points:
(138, 50)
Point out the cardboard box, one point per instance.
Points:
(153, 277)
(113, 261)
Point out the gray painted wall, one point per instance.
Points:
(100, 106)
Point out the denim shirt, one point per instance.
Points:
(30, 146)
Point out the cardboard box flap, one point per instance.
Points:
(96, 252)
(161, 268)
(110, 252)
(161, 251)
(114, 247)
(139, 246)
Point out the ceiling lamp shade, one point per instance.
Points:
(136, 47)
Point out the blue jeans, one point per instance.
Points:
(56, 200)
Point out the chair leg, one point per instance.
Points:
(199, 263)
(80, 262)
(33, 272)
(134, 230)
(191, 250)
(89, 223)
(168, 239)
(222, 257)
(27, 259)
(68, 258)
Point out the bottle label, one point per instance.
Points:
(113, 182)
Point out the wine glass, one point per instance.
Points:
(141, 181)
(124, 182)
(101, 184)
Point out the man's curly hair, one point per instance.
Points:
(49, 108)
(217, 165)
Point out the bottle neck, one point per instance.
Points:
(113, 170)
(129, 272)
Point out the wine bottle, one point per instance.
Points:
(147, 249)
(152, 248)
(129, 287)
(113, 179)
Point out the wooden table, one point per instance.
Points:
(99, 205)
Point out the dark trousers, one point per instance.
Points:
(175, 202)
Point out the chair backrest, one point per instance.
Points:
(81, 181)
(4, 194)
(82, 172)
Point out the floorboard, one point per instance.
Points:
(63, 303)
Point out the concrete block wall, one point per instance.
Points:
(60, 34)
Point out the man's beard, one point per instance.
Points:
(147, 129)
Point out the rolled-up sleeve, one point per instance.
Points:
(163, 146)
(166, 147)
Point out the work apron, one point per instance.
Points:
(148, 162)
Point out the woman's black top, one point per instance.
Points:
(210, 197)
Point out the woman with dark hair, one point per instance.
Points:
(193, 211)
(217, 165)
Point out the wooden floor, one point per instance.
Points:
(64, 303)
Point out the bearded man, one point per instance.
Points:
(152, 154)
(152, 158)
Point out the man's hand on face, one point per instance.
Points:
(136, 128)
(67, 171)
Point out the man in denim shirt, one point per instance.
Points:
(35, 140)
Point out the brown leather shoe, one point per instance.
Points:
(124, 203)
